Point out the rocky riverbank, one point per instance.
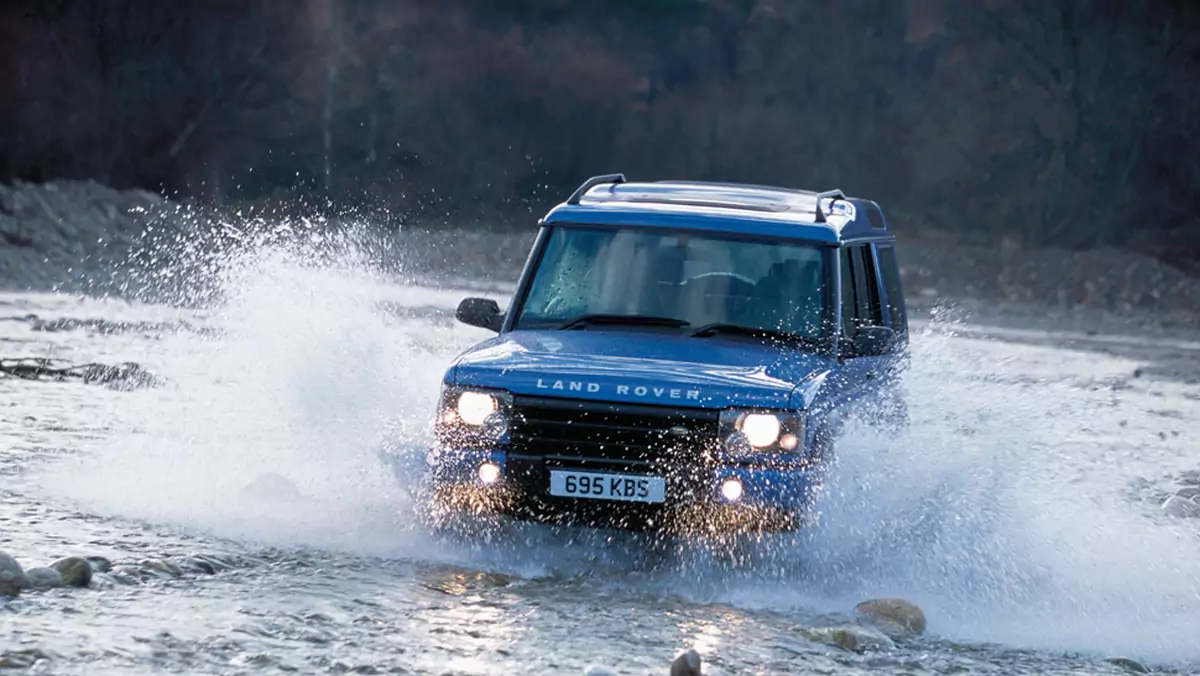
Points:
(875, 625)
(85, 237)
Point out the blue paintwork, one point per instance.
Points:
(664, 366)
(720, 372)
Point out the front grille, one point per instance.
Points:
(569, 429)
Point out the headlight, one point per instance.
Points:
(474, 407)
(472, 416)
(761, 429)
(744, 432)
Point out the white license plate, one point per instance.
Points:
(603, 486)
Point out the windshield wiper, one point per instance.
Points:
(633, 320)
(756, 331)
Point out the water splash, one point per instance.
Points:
(998, 510)
(273, 427)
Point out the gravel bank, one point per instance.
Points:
(85, 237)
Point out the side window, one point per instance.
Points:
(869, 303)
(890, 269)
(849, 304)
(861, 304)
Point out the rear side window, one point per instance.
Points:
(889, 267)
(861, 304)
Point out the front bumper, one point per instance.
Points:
(695, 498)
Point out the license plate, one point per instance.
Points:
(604, 486)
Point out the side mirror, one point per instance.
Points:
(482, 312)
(873, 341)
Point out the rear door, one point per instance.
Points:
(861, 378)
(895, 312)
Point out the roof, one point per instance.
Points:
(726, 207)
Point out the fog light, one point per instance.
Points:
(731, 489)
(489, 473)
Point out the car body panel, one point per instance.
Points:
(638, 367)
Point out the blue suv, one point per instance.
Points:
(677, 355)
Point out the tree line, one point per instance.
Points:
(1002, 122)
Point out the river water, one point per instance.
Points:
(273, 460)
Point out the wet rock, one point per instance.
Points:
(43, 578)
(22, 659)
(160, 567)
(75, 571)
(851, 638)
(1181, 507)
(102, 581)
(893, 616)
(99, 564)
(126, 376)
(200, 565)
(12, 576)
(1190, 477)
(599, 671)
(127, 575)
(687, 664)
(207, 564)
(1128, 665)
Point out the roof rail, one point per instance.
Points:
(744, 186)
(592, 183)
(834, 194)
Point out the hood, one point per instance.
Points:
(639, 367)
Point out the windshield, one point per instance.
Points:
(699, 278)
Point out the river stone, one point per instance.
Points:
(851, 637)
(1128, 665)
(1181, 507)
(893, 616)
(43, 578)
(75, 571)
(207, 564)
(599, 671)
(687, 664)
(12, 576)
(161, 567)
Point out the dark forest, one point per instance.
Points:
(1011, 123)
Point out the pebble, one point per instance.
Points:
(43, 578)
(1181, 507)
(851, 638)
(12, 576)
(687, 664)
(161, 567)
(75, 571)
(893, 616)
(1128, 664)
(208, 564)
